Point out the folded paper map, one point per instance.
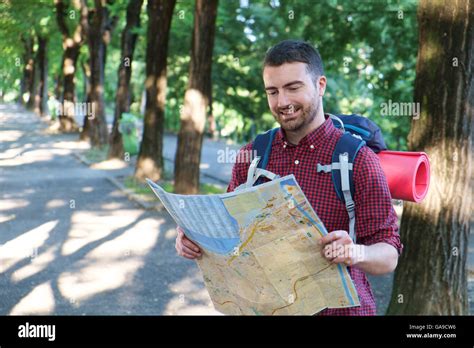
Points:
(260, 254)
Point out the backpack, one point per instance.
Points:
(358, 131)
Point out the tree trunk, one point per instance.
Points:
(27, 78)
(150, 158)
(32, 80)
(41, 95)
(68, 100)
(71, 46)
(98, 34)
(143, 102)
(211, 120)
(98, 126)
(196, 99)
(86, 77)
(431, 278)
(86, 74)
(58, 87)
(122, 99)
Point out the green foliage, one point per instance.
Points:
(27, 19)
(365, 63)
(369, 50)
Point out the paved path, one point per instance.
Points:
(71, 243)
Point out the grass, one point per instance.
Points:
(140, 188)
(97, 154)
(210, 189)
(137, 187)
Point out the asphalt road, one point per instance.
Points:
(72, 244)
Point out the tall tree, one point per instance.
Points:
(86, 78)
(432, 277)
(150, 159)
(196, 99)
(98, 30)
(27, 80)
(122, 98)
(32, 82)
(71, 45)
(41, 93)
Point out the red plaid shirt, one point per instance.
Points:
(376, 220)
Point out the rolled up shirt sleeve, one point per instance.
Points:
(376, 220)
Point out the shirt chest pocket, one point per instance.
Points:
(319, 190)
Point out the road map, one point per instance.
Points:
(260, 252)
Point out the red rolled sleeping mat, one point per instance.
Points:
(408, 174)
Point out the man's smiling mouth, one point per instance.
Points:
(289, 113)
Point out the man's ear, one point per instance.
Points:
(321, 84)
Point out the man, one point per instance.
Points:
(295, 84)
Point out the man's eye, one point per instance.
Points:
(271, 92)
(294, 88)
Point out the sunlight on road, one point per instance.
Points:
(90, 226)
(6, 218)
(40, 301)
(25, 245)
(71, 145)
(12, 204)
(37, 264)
(16, 157)
(56, 203)
(112, 263)
(10, 135)
(110, 164)
(188, 291)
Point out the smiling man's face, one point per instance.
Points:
(292, 96)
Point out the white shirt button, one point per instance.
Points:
(311, 146)
(284, 146)
(297, 162)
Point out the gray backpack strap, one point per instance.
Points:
(341, 169)
(254, 173)
(345, 166)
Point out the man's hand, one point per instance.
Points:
(185, 247)
(379, 258)
(338, 247)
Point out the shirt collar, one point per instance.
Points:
(315, 138)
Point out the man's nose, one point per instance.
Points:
(282, 100)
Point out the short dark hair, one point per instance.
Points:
(289, 51)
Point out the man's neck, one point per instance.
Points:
(295, 137)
